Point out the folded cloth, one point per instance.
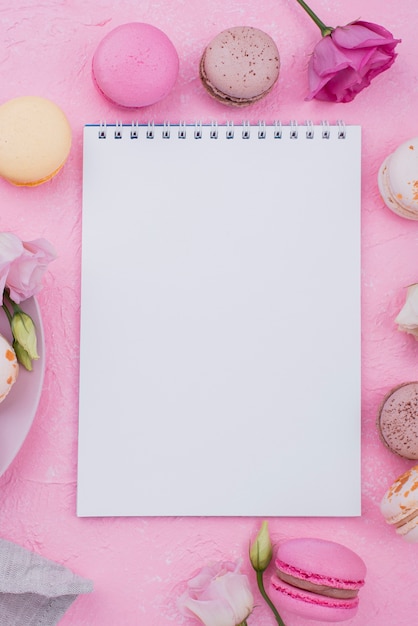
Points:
(35, 591)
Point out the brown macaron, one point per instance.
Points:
(397, 420)
(240, 66)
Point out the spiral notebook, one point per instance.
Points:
(220, 320)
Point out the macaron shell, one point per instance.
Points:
(382, 181)
(135, 65)
(310, 605)
(35, 140)
(240, 65)
(398, 180)
(397, 420)
(399, 505)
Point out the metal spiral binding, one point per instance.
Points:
(260, 130)
(277, 129)
(293, 129)
(213, 130)
(118, 130)
(102, 130)
(182, 132)
(134, 130)
(341, 130)
(198, 130)
(230, 130)
(166, 130)
(150, 130)
(246, 130)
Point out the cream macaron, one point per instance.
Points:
(398, 180)
(240, 66)
(9, 368)
(399, 505)
(35, 140)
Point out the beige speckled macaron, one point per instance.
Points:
(240, 66)
(397, 420)
(35, 140)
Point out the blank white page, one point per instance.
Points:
(220, 322)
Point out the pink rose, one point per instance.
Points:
(347, 59)
(22, 265)
(219, 595)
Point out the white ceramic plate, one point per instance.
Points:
(18, 410)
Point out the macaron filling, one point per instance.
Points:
(37, 182)
(301, 577)
(313, 598)
(323, 590)
(406, 520)
(227, 98)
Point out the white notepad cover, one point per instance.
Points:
(220, 322)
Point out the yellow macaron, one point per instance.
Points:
(35, 140)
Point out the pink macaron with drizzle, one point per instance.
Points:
(317, 579)
(135, 65)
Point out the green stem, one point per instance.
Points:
(263, 592)
(16, 307)
(8, 314)
(325, 30)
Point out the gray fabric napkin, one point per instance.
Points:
(35, 591)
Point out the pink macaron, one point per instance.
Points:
(240, 66)
(399, 505)
(317, 579)
(398, 180)
(135, 65)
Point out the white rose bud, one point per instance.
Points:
(407, 318)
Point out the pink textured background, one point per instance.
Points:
(139, 565)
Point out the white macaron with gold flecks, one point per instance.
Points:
(398, 180)
(399, 505)
(9, 367)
